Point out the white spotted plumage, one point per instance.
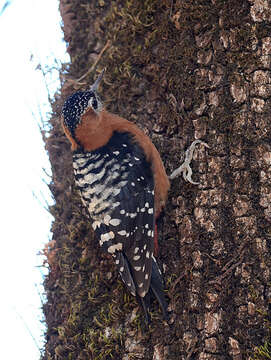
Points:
(116, 185)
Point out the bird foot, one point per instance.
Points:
(185, 168)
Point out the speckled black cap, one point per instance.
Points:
(75, 106)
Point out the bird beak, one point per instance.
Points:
(95, 86)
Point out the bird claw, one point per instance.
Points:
(185, 168)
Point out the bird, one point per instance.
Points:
(124, 186)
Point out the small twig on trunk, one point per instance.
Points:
(96, 62)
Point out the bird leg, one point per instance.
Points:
(185, 168)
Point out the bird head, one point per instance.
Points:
(77, 104)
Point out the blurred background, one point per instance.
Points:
(32, 51)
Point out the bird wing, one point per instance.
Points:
(124, 220)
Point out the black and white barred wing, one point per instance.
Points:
(117, 187)
(127, 231)
(130, 241)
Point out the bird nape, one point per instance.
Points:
(123, 184)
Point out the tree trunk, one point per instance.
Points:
(182, 70)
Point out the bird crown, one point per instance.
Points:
(77, 104)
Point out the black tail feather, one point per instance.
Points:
(145, 303)
(157, 287)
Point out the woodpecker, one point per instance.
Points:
(124, 186)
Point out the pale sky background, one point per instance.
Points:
(30, 34)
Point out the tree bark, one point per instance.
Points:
(182, 70)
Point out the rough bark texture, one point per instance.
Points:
(182, 70)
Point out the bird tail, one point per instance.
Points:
(157, 288)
